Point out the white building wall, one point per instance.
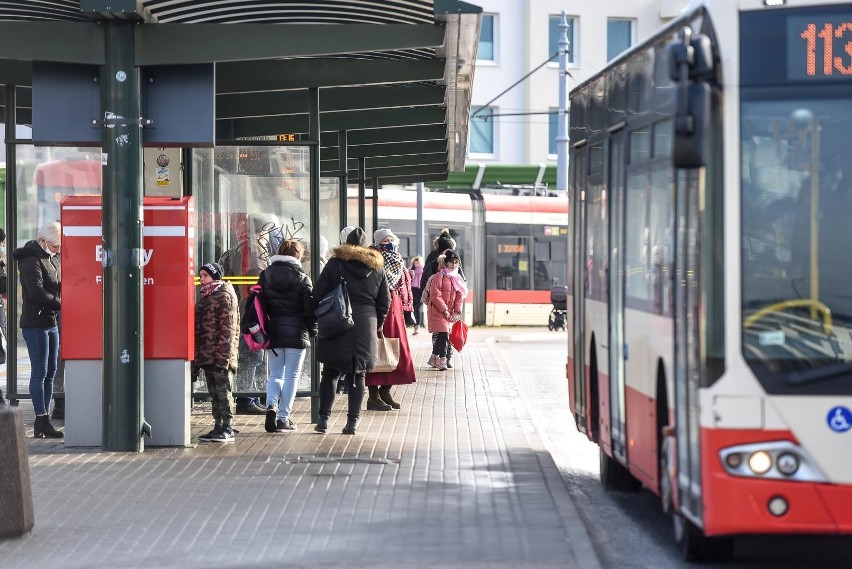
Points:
(522, 44)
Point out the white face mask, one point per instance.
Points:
(47, 250)
(452, 272)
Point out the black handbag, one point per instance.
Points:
(334, 312)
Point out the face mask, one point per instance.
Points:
(390, 247)
(452, 272)
(47, 250)
(2, 250)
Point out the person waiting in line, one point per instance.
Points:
(352, 353)
(38, 264)
(399, 285)
(217, 330)
(342, 382)
(417, 282)
(447, 292)
(288, 300)
(442, 244)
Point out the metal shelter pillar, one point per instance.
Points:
(362, 182)
(121, 143)
(342, 160)
(314, 135)
(375, 204)
(11, 238)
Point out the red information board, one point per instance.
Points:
(168, 276)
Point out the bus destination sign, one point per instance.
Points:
(819, 47)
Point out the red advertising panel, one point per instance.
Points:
(168, 277)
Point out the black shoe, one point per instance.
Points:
(225, 435)
(322, 425)
(285, 425)
(349, 429)
(342, 386)
(209, 436)
(385, 396)
(44, 430)
(58, 410)
(250, 409)
(269, 424)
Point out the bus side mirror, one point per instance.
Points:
(691, 67)
(690, 129)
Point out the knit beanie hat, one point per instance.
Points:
(357, 237)
(381, 234)
(446, 242)
(344, 233)
(451, 255)
(212, 269)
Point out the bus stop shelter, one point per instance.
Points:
(368, 91)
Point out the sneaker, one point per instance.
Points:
(225, 435)
(269, 424)
(432, 361)
(285, 425)
(415, 331)
(209, 436)
(442, 364)
(250, 409)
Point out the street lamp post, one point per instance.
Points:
(562, 117)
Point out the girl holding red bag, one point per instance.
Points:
(447, 292)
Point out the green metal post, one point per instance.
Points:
(121, 143)
(314, 134)
(11, 242)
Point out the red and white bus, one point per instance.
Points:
(710, 268)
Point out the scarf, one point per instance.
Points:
(458, 282)
(417, 276)
(393, 267)
(211, 287)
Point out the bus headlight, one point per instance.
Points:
(787, 463)
(760, 462)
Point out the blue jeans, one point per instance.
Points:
(284, 372)
(43, 348)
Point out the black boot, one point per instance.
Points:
(322, 425)
(44, 430)
(374, 402)
(385, 395)
(349, 429)
(449, 356)
(58, 409)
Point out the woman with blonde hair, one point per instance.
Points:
(38, 264)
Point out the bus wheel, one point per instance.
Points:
(697, 547)
(615, 476)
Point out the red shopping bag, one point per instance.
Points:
(458, 335)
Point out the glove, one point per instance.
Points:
(455, 318)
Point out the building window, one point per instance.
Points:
(481, 130)
(553, 130)
(554, 33)
(619, 36)
(487, 39)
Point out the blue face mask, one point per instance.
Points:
(390, 247)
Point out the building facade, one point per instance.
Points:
(517, 36)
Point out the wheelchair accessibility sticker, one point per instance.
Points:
(839, 419)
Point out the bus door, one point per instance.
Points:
(615, 202)
(581, 277)
(687, 322)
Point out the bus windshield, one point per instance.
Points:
(796, 228)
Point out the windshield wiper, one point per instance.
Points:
(818, 374)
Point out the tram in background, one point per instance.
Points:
(710, 352)
(512, 247)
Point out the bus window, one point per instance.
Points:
(513, 266)
(637, 237)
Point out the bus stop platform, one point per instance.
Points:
(458, 478)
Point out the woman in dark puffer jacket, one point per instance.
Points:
(352, 353)
(288, 300)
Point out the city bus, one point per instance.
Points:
(710, 270)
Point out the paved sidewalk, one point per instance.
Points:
(457, 478)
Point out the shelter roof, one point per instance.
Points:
(395, 74)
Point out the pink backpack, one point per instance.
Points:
(253, 323)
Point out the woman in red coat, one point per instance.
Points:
(447, 291)
(399, 283)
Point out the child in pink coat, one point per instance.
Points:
(447, 291)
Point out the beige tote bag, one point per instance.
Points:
(387, 355)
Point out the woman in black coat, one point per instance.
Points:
(288, 300)
(353, 352)
(38, 264)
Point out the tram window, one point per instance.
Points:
(513, 265)
(550, 263)
(640, 145)
(542, 250)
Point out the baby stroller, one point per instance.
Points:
(559, 315)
